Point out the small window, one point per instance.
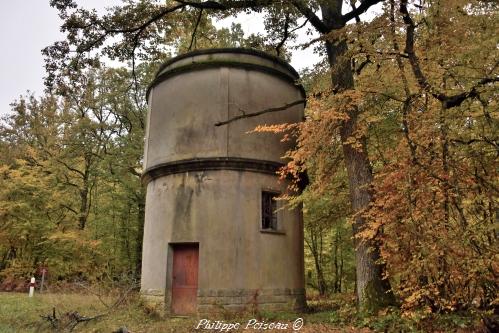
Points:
(269, 210)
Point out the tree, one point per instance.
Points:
(139, 24)
(70, 168)
(35, 227)
(71, 196)
(435, 191)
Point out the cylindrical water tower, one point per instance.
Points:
(215, 237)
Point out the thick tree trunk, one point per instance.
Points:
(372, 291)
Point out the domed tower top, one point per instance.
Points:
(205, 103)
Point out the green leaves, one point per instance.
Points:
(65, 180)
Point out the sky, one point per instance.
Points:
(27, 26)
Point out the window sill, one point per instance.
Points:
(271, 231)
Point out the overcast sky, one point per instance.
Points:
(27, 26)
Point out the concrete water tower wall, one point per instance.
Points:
(213, 238)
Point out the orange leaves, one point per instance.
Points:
(277, 128)
(434, 219)
(370, 232)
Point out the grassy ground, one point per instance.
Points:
(18, 313)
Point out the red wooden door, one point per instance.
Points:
(185, 278)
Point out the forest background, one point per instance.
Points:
(400, 146)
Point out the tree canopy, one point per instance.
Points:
(400, 143)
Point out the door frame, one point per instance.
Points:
(169, 272)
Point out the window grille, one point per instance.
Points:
(269, 210)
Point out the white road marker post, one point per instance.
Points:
(32, 287)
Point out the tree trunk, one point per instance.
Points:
(321, 282)
(337, 267)
(84, 193)
(372, 291)
(315, 246)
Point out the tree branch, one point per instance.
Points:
(364, 6)
(395, 98)
(70, 168)
(214, 5)
(310, 15)
(69, 208)
(458, 99)
(147, 23)
(195, 28)
(366, 62)
(284, 37)
(299, 27)
(250, 115)
(447, 101)
(139, 29)
(354, 8)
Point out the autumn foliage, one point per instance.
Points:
(424, 113)
(427, 94)
(436, 194)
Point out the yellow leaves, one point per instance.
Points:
(415, 297)
(367, 234)
(65, 236)
(370, 231)
(4, 169)
(436, 251)
(335, 107)
(75, 237)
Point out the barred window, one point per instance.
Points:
(269, 210)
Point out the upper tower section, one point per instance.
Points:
(202, 106)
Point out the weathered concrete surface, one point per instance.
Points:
(220, 210)
(240, 266)
(185, 108)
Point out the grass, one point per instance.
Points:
(19, 313)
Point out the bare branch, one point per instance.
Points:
(147, 23)
(364, 6)
(193, 37)
(299, 27)
(269, 110)
(69, 208)
(214, 5)
(310, 15)
(99, 296)
(447, 101)
(354, 8)
(398, 99)
(284, 37)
